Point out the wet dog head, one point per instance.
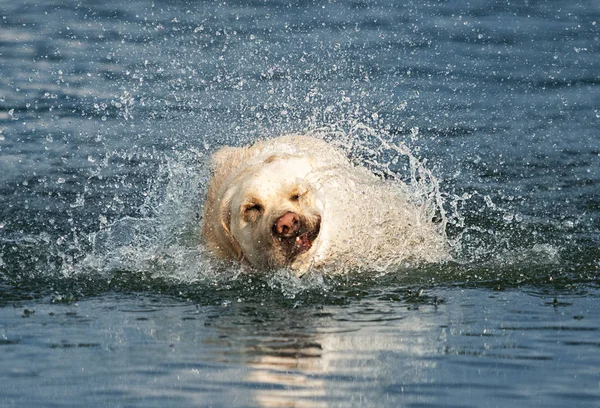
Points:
(272, 213)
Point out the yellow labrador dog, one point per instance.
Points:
(297, 202)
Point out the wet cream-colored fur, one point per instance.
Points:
(362, 222)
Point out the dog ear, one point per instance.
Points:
(226, 156)
(281, 156)
(225, 221)
(226, 162)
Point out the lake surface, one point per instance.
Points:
(109, 113)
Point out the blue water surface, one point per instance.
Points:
(109, 113)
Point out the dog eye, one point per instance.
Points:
(251, 212)
(297, 194)
(254, 207)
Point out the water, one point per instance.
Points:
(109, 112)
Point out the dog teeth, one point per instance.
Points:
(298, 239)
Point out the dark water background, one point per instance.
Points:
(109, 111)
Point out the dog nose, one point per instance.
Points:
(287, 225)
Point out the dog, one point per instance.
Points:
(297, 202)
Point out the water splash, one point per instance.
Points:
(158, 237)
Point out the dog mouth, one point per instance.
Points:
(304, 242)
(299, 239)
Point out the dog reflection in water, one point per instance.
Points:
(297, 202)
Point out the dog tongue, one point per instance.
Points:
(303, 242)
